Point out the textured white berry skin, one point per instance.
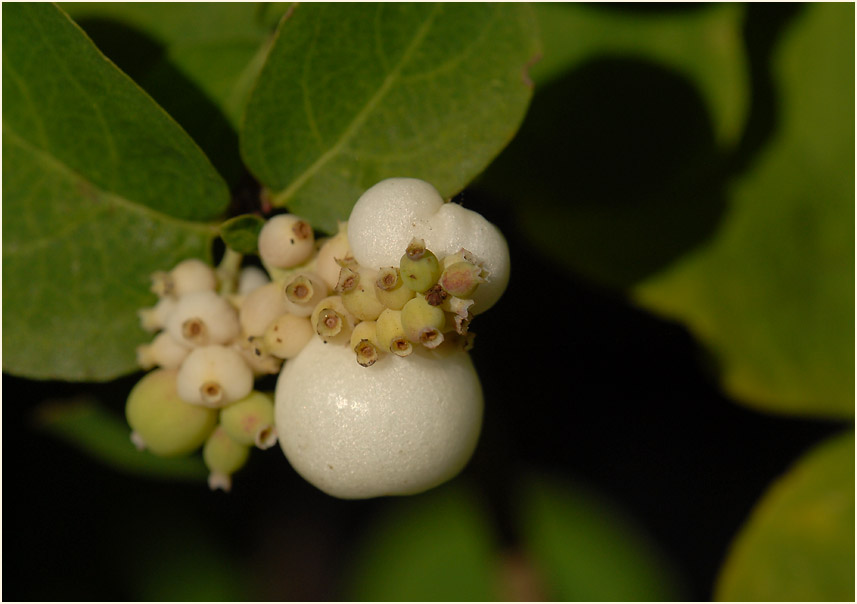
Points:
(390, 214)
(399, 427)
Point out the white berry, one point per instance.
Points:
(214, 376)
(286, 241)
(399, 427)
(203, 318)
(395, 211)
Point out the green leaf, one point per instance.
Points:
(355, 93)
(198, 60)
(586, 550)
(772, 293)
(434, 547)
(703, 43)
(798, 544)
(105, 437)
(99, 188)
(241, 233)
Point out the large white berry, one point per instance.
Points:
(388, 216)
(401, 426)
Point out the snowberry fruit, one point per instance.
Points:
(390, 334)
(250, 279)
(423, 323)
(287, 335)
(161, 421)
(214, 376)
(390, 290)
(360, 299)
(419, 267)
(303, 292)
(155, 318)
(333, 250)
(393, 212)
(163, 351)
(286, 241)
(250, 421)
(203, 318)
(332, 321)
(364, 343)
(397, 428)
(261, 307)
(223, 457)
(187, 276)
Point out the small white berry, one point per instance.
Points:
(203, 318)
(155, 318)
(287, 335)
(332, 251)
(163, 351)
(214, 376)
(286, 241)
(303, 292)
(250, 279)
(260, 307)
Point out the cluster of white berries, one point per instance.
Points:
(393, 291)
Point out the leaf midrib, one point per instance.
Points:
(108, 196)
(283, 196)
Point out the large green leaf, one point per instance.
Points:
(798, 544)
(587, 550)
(702, 42)
(772, 293)
(198, 60)
(354, 93)
(435, 547)
(99, 188)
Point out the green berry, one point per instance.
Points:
(364, 343)
(419, 267)
(161, 421)
(360, 299)
(332, 321)
(390, 290)
(303, 292)
(250, 421)
(223, 456)
(423, 323)
(390, 335)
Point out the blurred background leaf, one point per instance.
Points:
(798, 544)
(433, 547)
(241, 233)
(702, 42)
(772, 292)
(588, 550)
(105, 437)
(99, 187)
(355, 93)
(198, 61)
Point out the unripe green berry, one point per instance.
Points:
(223, 456)
(250, 421)
(461, 279)
(214, 376)
(423, 323)
(260, 308)
(203, 318)
(360, 299)
(332, 321)
(163, 351)
(364, 343)
(390, 290)
(419, 267)
(161, 421)
(286, 241)
(287, 335)
(303, 292)
(390, 335)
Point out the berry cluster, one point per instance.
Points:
(220, 329)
